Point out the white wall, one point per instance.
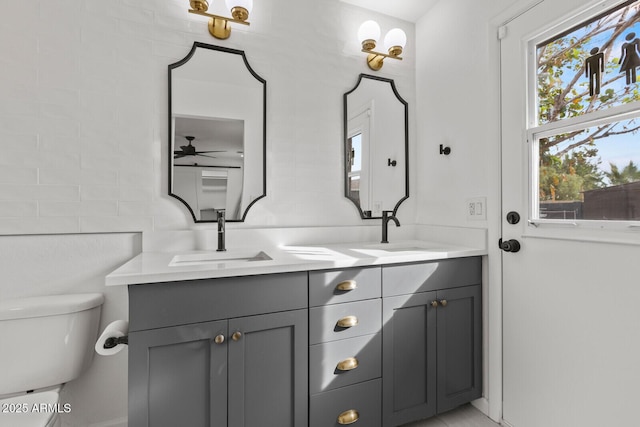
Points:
(84, 110)
(457, 83)
(83, 125)
(457, 93)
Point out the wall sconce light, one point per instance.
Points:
(219, 26)
(394, 42)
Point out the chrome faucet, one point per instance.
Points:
(221, 227)
(386, 217)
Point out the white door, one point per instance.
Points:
(571, 295)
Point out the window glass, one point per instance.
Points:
(586, 166)
(590, 67)
(591, 173)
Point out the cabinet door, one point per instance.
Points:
(409, 358)
(459, 347)
(178, 376)
(268, 370)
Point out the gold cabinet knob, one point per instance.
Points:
(219, 339)
(348, 417)
(236, 336)
(347, 364)
(443, 302)
(434, 304)
(347, 285)
(347, 322)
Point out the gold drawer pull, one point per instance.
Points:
(347, 322)
(443, 302)
(347, 364)
(347, 285)
(348, 417)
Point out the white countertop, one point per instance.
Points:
(154, 267)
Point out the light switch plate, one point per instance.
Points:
(476, 208)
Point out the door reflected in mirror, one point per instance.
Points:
(217, 111)
(376, 146)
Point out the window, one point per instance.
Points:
(585, 123)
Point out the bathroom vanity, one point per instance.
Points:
(368, 339)
(203, 353)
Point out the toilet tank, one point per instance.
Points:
(46, 340)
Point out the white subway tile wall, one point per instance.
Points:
(83, 111)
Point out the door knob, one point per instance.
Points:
(509, 245)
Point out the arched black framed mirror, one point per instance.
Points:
(217, 133)
(376, 141)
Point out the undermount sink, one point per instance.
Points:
(205, 258)
(398, 249)
(379, 249)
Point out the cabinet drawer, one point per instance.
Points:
(324, 285)
(324, 322)
(364, 352)
(364, 398)
(429, 276)
(158, 305)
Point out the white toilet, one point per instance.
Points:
(46, 341)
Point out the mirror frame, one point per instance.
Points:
(346, 143)
(183, 61)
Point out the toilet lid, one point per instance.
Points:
(29, 410)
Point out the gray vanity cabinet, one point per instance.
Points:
(229, 352)
(374, 345)
(345, 347)
(431, 338)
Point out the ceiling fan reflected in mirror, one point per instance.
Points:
(190, 150)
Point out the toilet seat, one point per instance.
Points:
(37, 418)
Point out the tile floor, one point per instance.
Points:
(464, 416)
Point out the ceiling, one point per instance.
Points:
(408, 10)
(226, 136)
